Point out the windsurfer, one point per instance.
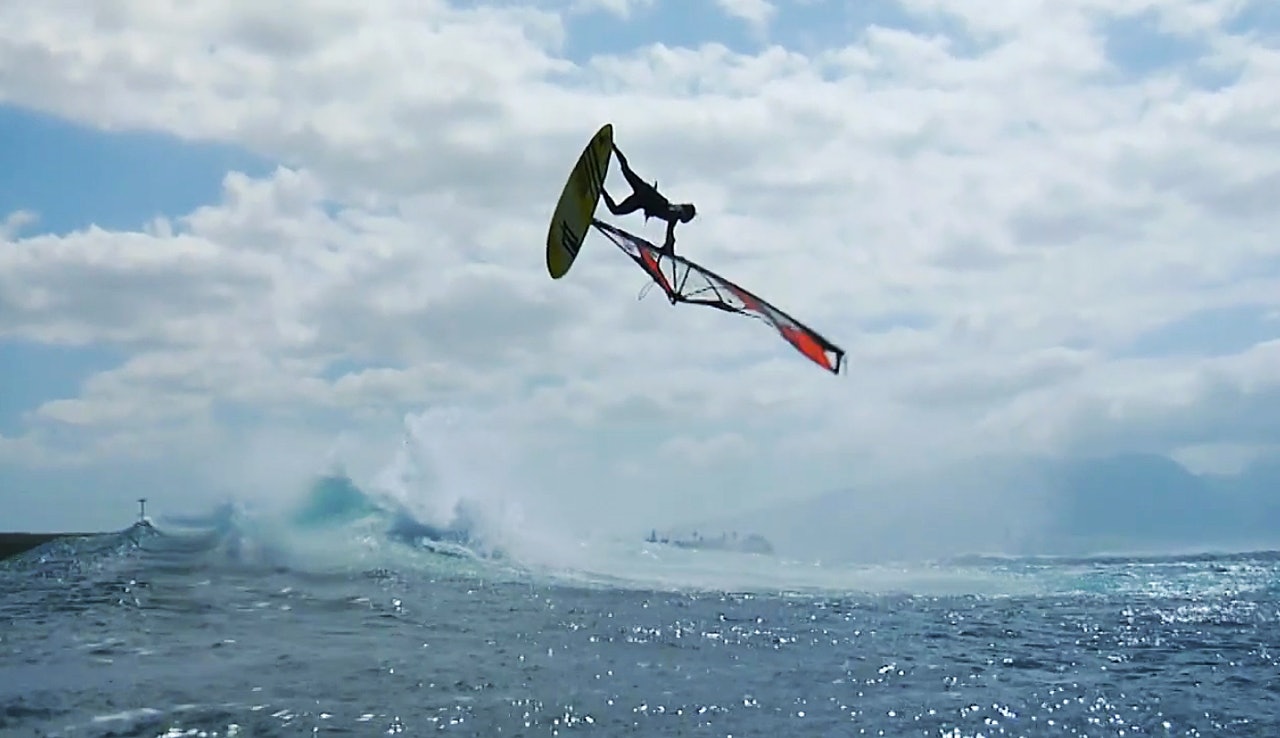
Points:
(645, 196)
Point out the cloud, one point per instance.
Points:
(988, 208)
(757, 13)
(620, 8)
(1154, 405)
(15, 222)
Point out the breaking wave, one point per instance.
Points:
(440, 505)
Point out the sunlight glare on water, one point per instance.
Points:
(386, 611)
(449, 644)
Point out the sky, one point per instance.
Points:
(240, 243)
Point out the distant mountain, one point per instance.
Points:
(1144, 501)
(1030, 506)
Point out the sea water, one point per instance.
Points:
(415, 605)
(230, 631)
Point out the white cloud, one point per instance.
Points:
(1221, 458)
(16, 221)
(984, 214)
(620, 8)
(757, 13)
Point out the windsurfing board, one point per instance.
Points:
(577, 205)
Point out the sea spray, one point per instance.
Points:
(453, 472)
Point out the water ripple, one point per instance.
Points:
(150, 640)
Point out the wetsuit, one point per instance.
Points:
(645, 197)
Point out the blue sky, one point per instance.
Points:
(71, 177)
(259, 356)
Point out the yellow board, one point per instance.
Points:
(578, 200)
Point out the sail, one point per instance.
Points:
(683, 281)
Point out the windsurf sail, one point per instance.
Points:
(684, 281)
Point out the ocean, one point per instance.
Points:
(352, 620)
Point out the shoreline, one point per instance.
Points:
(12, 544)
